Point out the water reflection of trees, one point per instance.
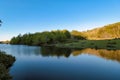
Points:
(107, 54)
(103, 53)
(53, 51)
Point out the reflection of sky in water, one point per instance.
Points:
(32, 64)
(20, 50)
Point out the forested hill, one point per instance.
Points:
(42, 38)
(110, 31)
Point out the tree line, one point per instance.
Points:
(44, 38)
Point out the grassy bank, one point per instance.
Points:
(97, 44)
(6, 62)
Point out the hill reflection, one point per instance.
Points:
(103, 53)
(59, 52)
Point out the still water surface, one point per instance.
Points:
(49, 63)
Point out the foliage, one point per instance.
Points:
(5, 62)
(42, 38)
(5, 59)
(111, 31)
(46, 37)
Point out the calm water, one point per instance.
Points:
(45, 63)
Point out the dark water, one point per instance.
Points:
(48, 63)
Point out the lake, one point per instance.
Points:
(50, 63)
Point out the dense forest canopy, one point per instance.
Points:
(43, 38)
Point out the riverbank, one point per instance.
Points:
(6, 62)
(113, 44)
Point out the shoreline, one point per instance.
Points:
(6, 61)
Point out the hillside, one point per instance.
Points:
(107, 32)
(110, 31)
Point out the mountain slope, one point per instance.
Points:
(107, 32)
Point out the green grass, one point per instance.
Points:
(97, 44)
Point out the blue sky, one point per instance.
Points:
(23, 16)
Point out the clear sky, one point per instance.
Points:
(23, 16)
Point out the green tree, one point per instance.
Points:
(42, 38)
